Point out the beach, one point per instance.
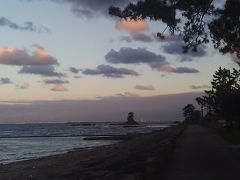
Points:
(141, 156)
(183, 152)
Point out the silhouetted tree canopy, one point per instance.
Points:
(224, 98)
(202, 103)
(188, 112)
(196, 21)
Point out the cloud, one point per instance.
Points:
(125, 94)
(182, 70)
(138, 37)
(142, 37)
(200, 87)
(175, 46)
(132, 26)
(162, 68)
(145, 87)
(22, 86)
(92, 8)
(28, 26)
(140, 56)
(41, 70)
(134, 56)
(39, 62)
(167, 38)
(74, 70)
(77, 77)
(147, 38)
(170, 69)
(59, 88)
(131, 94)
(19, 57)
(126, 38)
(55, 81)
(109, 71)
(160, 108)
(83, 12)
(5, 81)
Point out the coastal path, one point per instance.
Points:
(202, 155)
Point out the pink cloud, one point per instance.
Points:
(132, 26)
(169, 69)
(163, 68)
(20, 57)
(59, 88)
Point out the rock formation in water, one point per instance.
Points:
(130, 119)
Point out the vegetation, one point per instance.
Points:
(219, 106)
(130, 119)
(232, 136)
(197, 22)
(223, 100)
(190, 113)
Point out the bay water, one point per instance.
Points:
(27, 141)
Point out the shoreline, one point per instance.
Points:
(131, 158)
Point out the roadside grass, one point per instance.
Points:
(232, 137)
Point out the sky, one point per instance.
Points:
(71, 55)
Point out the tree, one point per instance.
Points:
(196, 115)
(188, 112)
(224, 98)
(130, 119)
(196, 21)
(209, 100)
(202, 103)
(224, 84)
(225, 30)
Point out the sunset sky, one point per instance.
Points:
(73, 52)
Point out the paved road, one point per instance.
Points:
(202, 155)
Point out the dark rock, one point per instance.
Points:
(130, 119)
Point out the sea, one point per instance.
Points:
(27, 141)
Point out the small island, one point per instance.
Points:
(130, 121)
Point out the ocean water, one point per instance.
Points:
(26, 141)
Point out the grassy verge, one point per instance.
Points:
(231, 137)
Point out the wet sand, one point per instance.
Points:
(136, 157)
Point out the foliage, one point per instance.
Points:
(197, 22)
(224, 98)
(190, 113)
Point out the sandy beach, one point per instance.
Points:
(141, 156)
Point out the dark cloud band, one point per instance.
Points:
(48, 71)
(91, 8)
(175, 47)
(133, 56)
(110, 71)
(55, 81)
